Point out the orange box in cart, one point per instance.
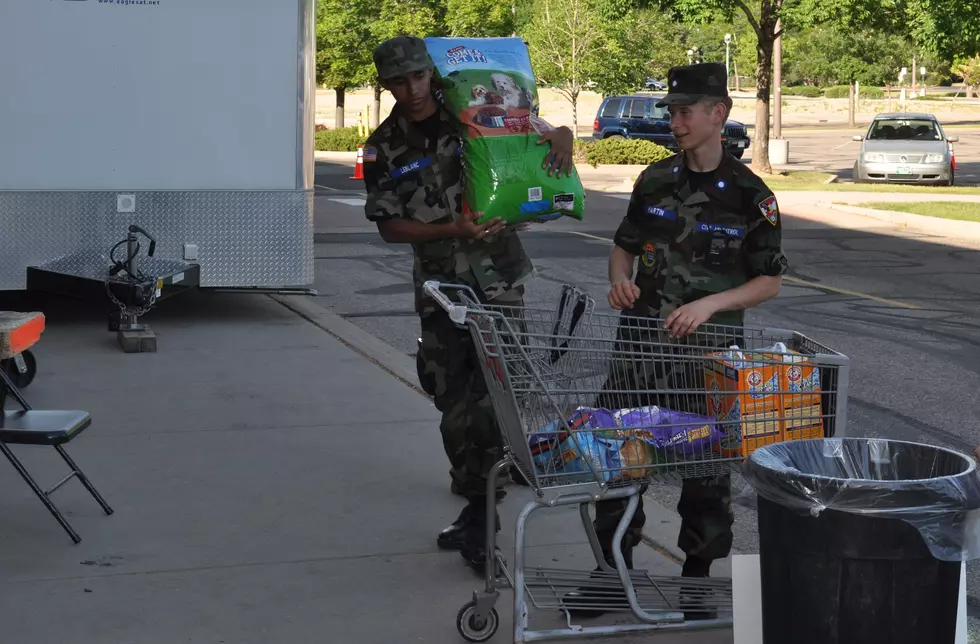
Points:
(742, 395)
(763, 397)
(800, 396)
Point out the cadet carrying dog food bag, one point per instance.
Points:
(488, 83)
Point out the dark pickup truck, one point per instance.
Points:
(637, 117)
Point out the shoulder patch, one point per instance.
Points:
(370, 153)
(639, 179)
(770, 210)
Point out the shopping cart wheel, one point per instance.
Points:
(470, 627)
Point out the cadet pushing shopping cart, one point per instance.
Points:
(591, 406)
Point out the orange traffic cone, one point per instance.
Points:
(359, 166)
(952, 155)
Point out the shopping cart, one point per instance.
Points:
(592, 406)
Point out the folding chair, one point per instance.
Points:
(29, 426)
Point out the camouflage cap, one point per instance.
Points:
(688, 84)
(400, 56)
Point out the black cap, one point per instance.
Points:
(688, 84)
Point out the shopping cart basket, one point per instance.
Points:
(591, 406)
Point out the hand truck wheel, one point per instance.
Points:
(21, 380)
(469, 625)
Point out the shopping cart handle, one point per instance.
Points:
(433, 289)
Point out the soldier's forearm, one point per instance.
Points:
(402, 231)
(752, 293)
(620, 265)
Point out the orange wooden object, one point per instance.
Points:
(19, 332)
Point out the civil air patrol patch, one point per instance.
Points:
(770, 210)
(649, 255)
(370, 154)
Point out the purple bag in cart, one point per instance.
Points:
(676, 431)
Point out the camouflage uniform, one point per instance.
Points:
(696, 234)
(411, 176)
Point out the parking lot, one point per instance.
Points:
(833, 151)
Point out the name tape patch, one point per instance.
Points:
(414, 166)
(663, 213)
(731, 231)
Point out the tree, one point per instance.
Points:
(419, 18)
(969, 69)
(768, 18)
(479, 18)
(561, 37)
(832, 55)
(615, 65)
(344, 44)
(576, 44)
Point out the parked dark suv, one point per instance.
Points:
(638, 117)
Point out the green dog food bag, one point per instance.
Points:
(488, 83)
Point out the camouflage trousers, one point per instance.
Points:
(705, 503)
(450, 372)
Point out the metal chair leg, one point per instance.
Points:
(39, 492)
(84, 479)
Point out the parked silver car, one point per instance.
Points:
(905, 148)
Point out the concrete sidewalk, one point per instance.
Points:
(270, 485)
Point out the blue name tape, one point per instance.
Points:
(411, 167)
(657, 211)
(731, 231)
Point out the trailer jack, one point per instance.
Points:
(139, 293)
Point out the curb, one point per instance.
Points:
(662, 525)
(953, 228)
(364, 344)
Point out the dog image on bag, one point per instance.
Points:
(482, 96)
(513, 95)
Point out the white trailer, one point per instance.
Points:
(191, 120)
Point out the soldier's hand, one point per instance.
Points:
(685, 320)
(469, 229)
(562, 148)
(623, 294)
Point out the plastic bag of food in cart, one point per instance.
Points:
(489, 84)
(620, 443)
(568, 456)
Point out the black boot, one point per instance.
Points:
(451, 538)
(473, 547)
(595, 600)
(696, 601)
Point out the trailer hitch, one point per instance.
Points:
(140, 292)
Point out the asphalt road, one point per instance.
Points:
(902, 306)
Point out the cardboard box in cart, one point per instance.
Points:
(763, 398)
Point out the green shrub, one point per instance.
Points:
(844, 91)
(625, 152)
(807, 91)
(343, 140)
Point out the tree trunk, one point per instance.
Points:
(760, 147)
(575, 115)
(338, 119)
(376, 109)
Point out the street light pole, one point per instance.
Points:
(728, 40)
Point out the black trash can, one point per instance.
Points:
(861, 540)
